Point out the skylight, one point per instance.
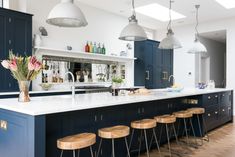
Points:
(158, 12)
(228, 4)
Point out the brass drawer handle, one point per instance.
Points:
(3, 125)
(216, 96)
(209, 97)
(223, 110)
(208, 114)
(216, 112)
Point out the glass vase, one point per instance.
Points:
(24, 91)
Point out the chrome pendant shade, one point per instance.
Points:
(170, 42)
(66, 14)
(197, 47)
(133, 31)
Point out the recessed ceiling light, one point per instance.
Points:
(159, 12)
(228, 4)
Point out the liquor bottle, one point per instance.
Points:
(87, 47)
(90, 47)
(99, 49)
(103, 50)
(94, 48)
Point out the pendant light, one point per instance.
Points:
(198, 47)
(133, 31)
(170, 42)
(66, 14)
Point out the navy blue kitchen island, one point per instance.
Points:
(32, 129)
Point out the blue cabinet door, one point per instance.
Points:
(16, 35)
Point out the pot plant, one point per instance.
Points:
(24, 70)
(116, 82)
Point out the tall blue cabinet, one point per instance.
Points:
(153, 65)
(16, 35)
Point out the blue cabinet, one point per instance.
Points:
(16, 35)
(153, 66)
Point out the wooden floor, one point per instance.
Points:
(222, 144)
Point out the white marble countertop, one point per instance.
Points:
(64, 103)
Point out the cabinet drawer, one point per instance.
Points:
(210, 99)
(226, 98)
(225, 114)
(211, 117)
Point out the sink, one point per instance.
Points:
(175, 89)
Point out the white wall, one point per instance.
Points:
(185, 62)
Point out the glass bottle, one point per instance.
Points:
(103, 50)
(87, 47)
(94, 48)
(99, 49)
(90, 47)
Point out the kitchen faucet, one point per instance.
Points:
(73, 86)
(172, 76)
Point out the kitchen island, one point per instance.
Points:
(31, 129)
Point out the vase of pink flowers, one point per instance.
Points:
(24, 70)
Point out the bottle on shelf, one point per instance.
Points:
(90, 47)
(103, 50)
(87, 47)
(99, 49)
(94, 48)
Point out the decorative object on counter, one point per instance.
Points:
(46, 86)
(197, 47)
(142, 91)
(133, 31)
(66, 14)
(116, 83)
(24, 70)
(170, 42)
(43, 31)
(103, 51)
(69, 48)
(211, 84)
(90, 47)
(87, 48)
(201, 86)
(95, 48)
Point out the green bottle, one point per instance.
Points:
(94, 48)
(103, 50)
(99, 49)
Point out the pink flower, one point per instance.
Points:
(32, 62)
(13, 65)
(5, 64)
(37, 66)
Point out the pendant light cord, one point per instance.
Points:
(170, 7)
(133, 7)
(196, 30)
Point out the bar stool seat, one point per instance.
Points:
(196, 110)
(77, 142)
(183, 114)
(165, 119)
(119, 131)
(112, 133)
(144, 124)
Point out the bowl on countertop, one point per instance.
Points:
(46, 86)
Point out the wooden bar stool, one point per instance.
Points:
(113, 133)
(167, 120)
(76, 142)
(200, 112)
(185, 115)
(143, 125)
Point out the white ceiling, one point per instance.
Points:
(209, 10)
(219, 36)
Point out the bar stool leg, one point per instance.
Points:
(140, 141)
(92, 155)
(204, 125)
(74, 153)
(132, 134)
(78, 153)
(61, 154)
(176, 137)
(199, 125)
(168, 139)
(113, 151)
(127, 148)
(186, 131)
(146, 142)
(154, 134)
(190, 120)
(99, 147)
